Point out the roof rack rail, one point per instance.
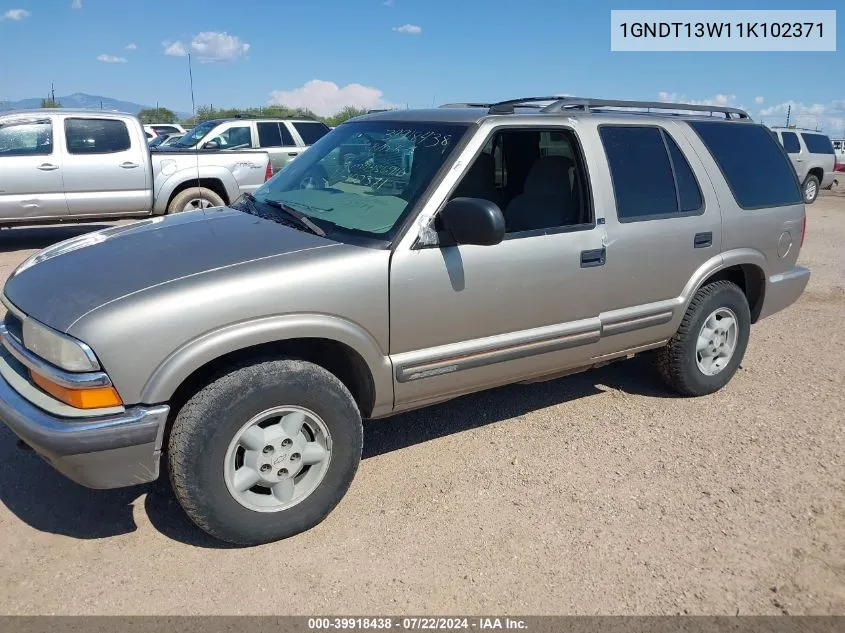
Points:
(564, 103)
(561, 104)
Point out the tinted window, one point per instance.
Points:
(26, 138)
(818, 144)
(165, 129)
(790, 142)
(756, 169)
(269, 135)
(96, 136)
(689, 194)
(311, 132)
(641, 172)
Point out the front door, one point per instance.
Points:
(466, 317)
(31, 184)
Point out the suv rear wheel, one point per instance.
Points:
(709, 345)
(265, 451)
(811, 189)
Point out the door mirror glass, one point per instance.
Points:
(473, 221)
(211, 145)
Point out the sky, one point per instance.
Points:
(324, 54)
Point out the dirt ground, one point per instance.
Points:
(598, 493)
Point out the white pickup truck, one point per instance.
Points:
(78, 165)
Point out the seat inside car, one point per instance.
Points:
(546, 200)
(480, 180)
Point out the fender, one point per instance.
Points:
(176, 368)
(172, 180)
(735, 257)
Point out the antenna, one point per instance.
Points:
(194, 109)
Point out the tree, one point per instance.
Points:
(50, 102)
(157, 115)
(347, 113)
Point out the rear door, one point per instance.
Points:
(276, 139)
(106, 167)
(663, 224)
(30, 170)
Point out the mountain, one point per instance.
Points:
(82, 100)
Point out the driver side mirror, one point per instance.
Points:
(211, 145)
(473, 221)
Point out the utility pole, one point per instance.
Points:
(788, 112)
(52, 93)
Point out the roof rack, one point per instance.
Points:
(562, 104)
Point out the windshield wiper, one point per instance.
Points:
(300, 218)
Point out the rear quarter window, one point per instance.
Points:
(755, 167)
(790, 143)
(817, 143)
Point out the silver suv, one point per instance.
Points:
(487, 244)
(813, 157)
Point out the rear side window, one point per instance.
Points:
(26, 138)
(651, 177)
(757, 171)
(311, 132)
(269, 135)
(818, 143)
(790, 142)
(96, 136)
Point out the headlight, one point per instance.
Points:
(61, 350)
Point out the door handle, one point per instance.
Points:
(703, 240)
(128, 165)
(595, 257)
(48, 167)
(293, 153)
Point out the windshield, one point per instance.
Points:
(362, 179)
(196, 135)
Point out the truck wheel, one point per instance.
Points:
(265, 451)
(193, 199)
(708, 347)
(811, 189)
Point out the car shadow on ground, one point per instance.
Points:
(37, 237)
(48, 502)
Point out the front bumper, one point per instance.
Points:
(110, 451)
(784, 289)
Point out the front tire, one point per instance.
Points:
(265, 451)
(810, 189)
(708, 347)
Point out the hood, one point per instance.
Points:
(63, 282)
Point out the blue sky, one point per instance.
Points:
(324, 53)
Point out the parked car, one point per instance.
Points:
(247, 343)
(812, 157)
(58, 165)
(164, 140)
(162, 129)
(283, 139)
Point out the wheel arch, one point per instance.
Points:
(342, 348)
(744, 267)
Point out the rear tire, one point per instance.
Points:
(195, 198)
(810, 190)
(696, 361)
(204, 470)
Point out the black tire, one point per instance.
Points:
(810, 189)
(199, 193)
(677, 361)
(207, 423)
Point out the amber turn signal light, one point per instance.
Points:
(91, 398)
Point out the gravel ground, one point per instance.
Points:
(597, 493)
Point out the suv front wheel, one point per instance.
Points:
(810, 189)
(709, 345)
(265, 451)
